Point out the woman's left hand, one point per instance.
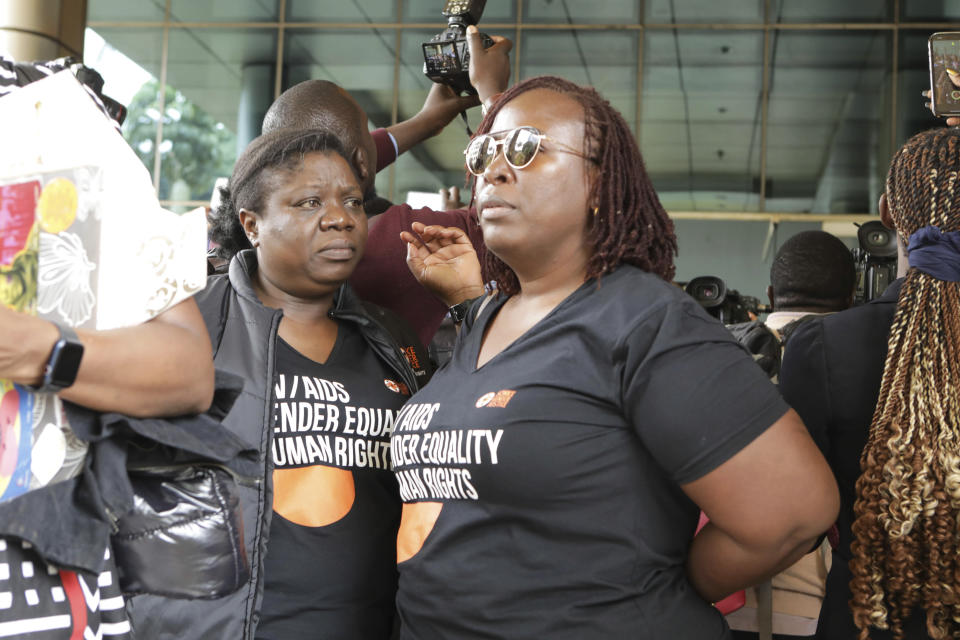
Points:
(443, 260)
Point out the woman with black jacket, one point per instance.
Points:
(325, 375)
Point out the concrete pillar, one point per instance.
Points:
(256, 96)
(42, 29)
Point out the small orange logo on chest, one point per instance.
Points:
(498, 399)
(396, 387)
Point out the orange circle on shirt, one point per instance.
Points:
(313, 496)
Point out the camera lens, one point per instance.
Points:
(706, 292)
(878, 238)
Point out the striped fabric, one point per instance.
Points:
(40, 602)
(14, 75)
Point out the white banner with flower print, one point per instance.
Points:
(84, 242)
(109, 255)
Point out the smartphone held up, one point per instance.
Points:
(943, 50)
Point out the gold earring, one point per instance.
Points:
(595, 210)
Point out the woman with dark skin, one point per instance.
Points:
(324, 376)
(876, 386)
(553, 471)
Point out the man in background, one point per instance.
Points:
(813, 274)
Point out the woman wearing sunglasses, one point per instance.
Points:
(553, 471)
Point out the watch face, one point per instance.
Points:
(65, 362)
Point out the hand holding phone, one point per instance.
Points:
(943, 50)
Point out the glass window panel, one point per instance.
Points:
(126, 58)
(828, 120)
(125, 10)
(912, 50)
(129, 61)
(219, 84)
(931, 10)
(223, 11)
(913, 77)
(362, 62)
(438, 161)
(342, 11)
(694, 11)
(605, 60)
(700, 126)
(581, 12)
(356, 60)
(831, 11)
(498, 11)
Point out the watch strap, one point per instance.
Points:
(67, 332)
(459, 311)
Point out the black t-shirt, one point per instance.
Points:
(558, 464)
(330, 566)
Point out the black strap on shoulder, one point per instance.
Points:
(762, 342)
(787, 330)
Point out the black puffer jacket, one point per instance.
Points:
(243, 333)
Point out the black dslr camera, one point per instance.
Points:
(728, 306)
(875, 260)
(446, 58)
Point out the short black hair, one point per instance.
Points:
(813, 269)
(278, 150)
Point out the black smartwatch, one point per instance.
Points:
(459, 311)
(64, 361)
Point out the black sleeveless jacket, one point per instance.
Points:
(243, 333)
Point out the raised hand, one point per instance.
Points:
(443, 260)
(490, 67)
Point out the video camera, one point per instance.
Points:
(875, 260)
(728, 306)
(446, 57)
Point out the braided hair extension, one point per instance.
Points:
(906, 532)
(278, 150)
(631, 225)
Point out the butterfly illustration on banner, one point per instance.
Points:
(49, 229)
(64, 280)
(64, 290)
